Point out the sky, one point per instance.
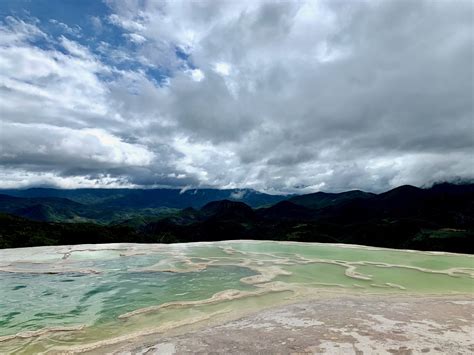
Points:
(280, 97)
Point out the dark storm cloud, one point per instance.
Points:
(280, 96)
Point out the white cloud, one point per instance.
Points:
(96, 23)
(135, 38)
(74, 48)
(238, 195)
(197, 74)
(75, 31)
(222, 68)
(43, 144)
(20, 178)
(14, 31)
(126, 24)
(284, 96)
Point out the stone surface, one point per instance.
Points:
(340, 325)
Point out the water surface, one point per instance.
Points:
(68, 297)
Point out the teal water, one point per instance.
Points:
(35, 301)
(93, 286)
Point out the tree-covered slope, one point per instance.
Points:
(150, 198)
(438, 218)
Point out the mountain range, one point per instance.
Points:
(436, 218)
(109, 206)
(150, 198)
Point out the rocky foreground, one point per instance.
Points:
(336, 325)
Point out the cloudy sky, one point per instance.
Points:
(275, 96)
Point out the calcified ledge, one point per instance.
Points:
(218, 297)
(130, 249)
(63, 249)
(41, 332)
(268, 266)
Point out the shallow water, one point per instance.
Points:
(118, 290)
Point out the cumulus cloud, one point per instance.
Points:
(277, 96)
(38, 144)
(135, 38)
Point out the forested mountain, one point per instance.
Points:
(438, 218)
(150, 198)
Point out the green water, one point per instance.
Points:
(93, 285)
(33, 301)
(332, 252)
(418, 281)
(317, 275)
